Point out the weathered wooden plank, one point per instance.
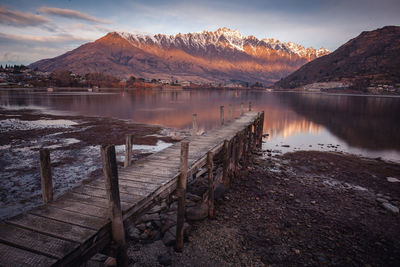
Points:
(99, 192)
(142, 191)
(12, 256)
(71, 216)
(53, 228)
(128, 185)
(35, 242)
(81, 208)
(95, 201)
(142, 178)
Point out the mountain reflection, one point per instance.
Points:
(365, 122)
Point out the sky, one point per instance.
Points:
(31, 30)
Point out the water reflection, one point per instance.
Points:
(370, 123)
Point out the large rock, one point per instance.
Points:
(169, 238)
(165, 259)
(197, 213)
(219, 191)
(390, 207)
(133, 233)
(158, 208)
(149, 217)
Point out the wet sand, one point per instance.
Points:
(74, 144)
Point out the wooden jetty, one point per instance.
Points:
(69, 230)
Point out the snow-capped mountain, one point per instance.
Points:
(219, 56)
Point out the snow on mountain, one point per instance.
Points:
(223, 38)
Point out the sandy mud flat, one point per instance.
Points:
(74, 144)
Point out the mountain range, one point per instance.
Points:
(223, 56)
(370, 59)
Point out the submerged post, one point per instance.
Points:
(230, 112)
(210, 185)
(45, 174)
(241, 109)
(221, 114)
(114, 203)
(128, 150)
(249, 105)
(181, 190)
(194, 124)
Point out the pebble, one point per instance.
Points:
(141, 227)
(381, 200)
(313, 202)
(390, 207)
(133, 232)
(165, 259)
(392, 180)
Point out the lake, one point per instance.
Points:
(362, 125)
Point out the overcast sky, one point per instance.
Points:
(35, 29)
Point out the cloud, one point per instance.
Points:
(29, 39)
(71, 14)
(20, 19)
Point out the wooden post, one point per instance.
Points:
(225, 166)
(194, 125)
(241, 109)
(261, 128)
(128, 150)
(221, 114)
(210, 185)
(230, 112)
(181, 190)
(249, 105)
(245, 143)
(249, 141)
(254, 137)
(45, 173)
(110, 170)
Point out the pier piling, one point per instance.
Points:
(210, 166)
(128, 150)
(194, 124)
(181, 191)
(45, 174)
(110, 170)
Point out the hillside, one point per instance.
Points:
(220, 57)
(370, 59)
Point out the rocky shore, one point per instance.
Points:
(305, 208)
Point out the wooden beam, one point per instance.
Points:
(181, 190)
(117, 225)
(45, 173)
(210, 185)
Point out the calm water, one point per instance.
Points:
(364, 125)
